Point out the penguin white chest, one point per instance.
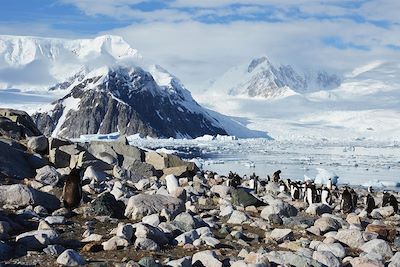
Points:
(325, 197)
(309, 196)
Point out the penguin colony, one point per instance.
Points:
(311, 193)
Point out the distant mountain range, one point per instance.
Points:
(105, 86)
(261, 79)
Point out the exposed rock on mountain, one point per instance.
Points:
(128, 100)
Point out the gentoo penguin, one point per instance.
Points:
(236, 180)
(310, 194)
(72, 191)
(329, 183)
(370, 190)
(294, 191)
(254, 178)
(390, 200)
(346, 203)
(354, 198)
(282, 187)
(326, 197)
(370, 203)
(276, 177)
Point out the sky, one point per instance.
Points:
(199, 40)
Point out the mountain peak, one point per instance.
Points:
(258, 61)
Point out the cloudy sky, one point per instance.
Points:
(199, 40)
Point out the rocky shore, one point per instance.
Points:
(143, 208)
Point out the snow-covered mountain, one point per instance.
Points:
(262, 79)
(37, 64)
(365, 105)
(100, 86)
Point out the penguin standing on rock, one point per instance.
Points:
(294, 191)
(390, 200)
(72, 191)
(354, 198)
(326, 197)
(310, 194)
(370, 203)
(346, 203)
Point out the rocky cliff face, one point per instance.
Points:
(129, 101)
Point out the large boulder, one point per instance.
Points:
(38, 239)
(70, 258)
(141, 169)
(280, 208)
(107, 205)
(384, 231)
(351, 237)
(240, 197)
(291, 259)
(17, 124)
(21, 196)
(38, 144)
(47, 175)
(142, 205)
(162, 161)
(378, 246)
(16, 163)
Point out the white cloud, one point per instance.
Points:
(196, 52)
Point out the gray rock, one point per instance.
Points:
(275, 219)
(151, 232)
(395, 260)
(280, 235)
(17, 124)
(141, 169)
(125, 231)
(336, 248)
(6, 252)
(291, 259)
(142, 205)
(238, 217)
(54, 250)
(146, 244)
(47, 175)
(221, 190)
(207, 258)
(21, 196)
(240, 197)
(39, 144)
(378, 246)
(326, 224)
(280, 208)
(115, 243)
(94, 175)
(185, 221)
(55, 219)
(182, 262)
(210, 241)
(149, 262)
(5, 228)
(186, 238)
(14, 162)
(327, 258)
(70, 258)
(107, 205)
(153, 219)
(318, 209)
(37, 239)
(351, 237)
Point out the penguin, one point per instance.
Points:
(370, 190)
(329, 184)
(254, 178)
(346, 203)
(370, 203)
(294, 191)
(310, 194)
(317, 197)
(354, 198)
(276, 177)
(236, 180)
(268, 178)
(282, 187)
(326, 197)
(72, 191)
(390, 200)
